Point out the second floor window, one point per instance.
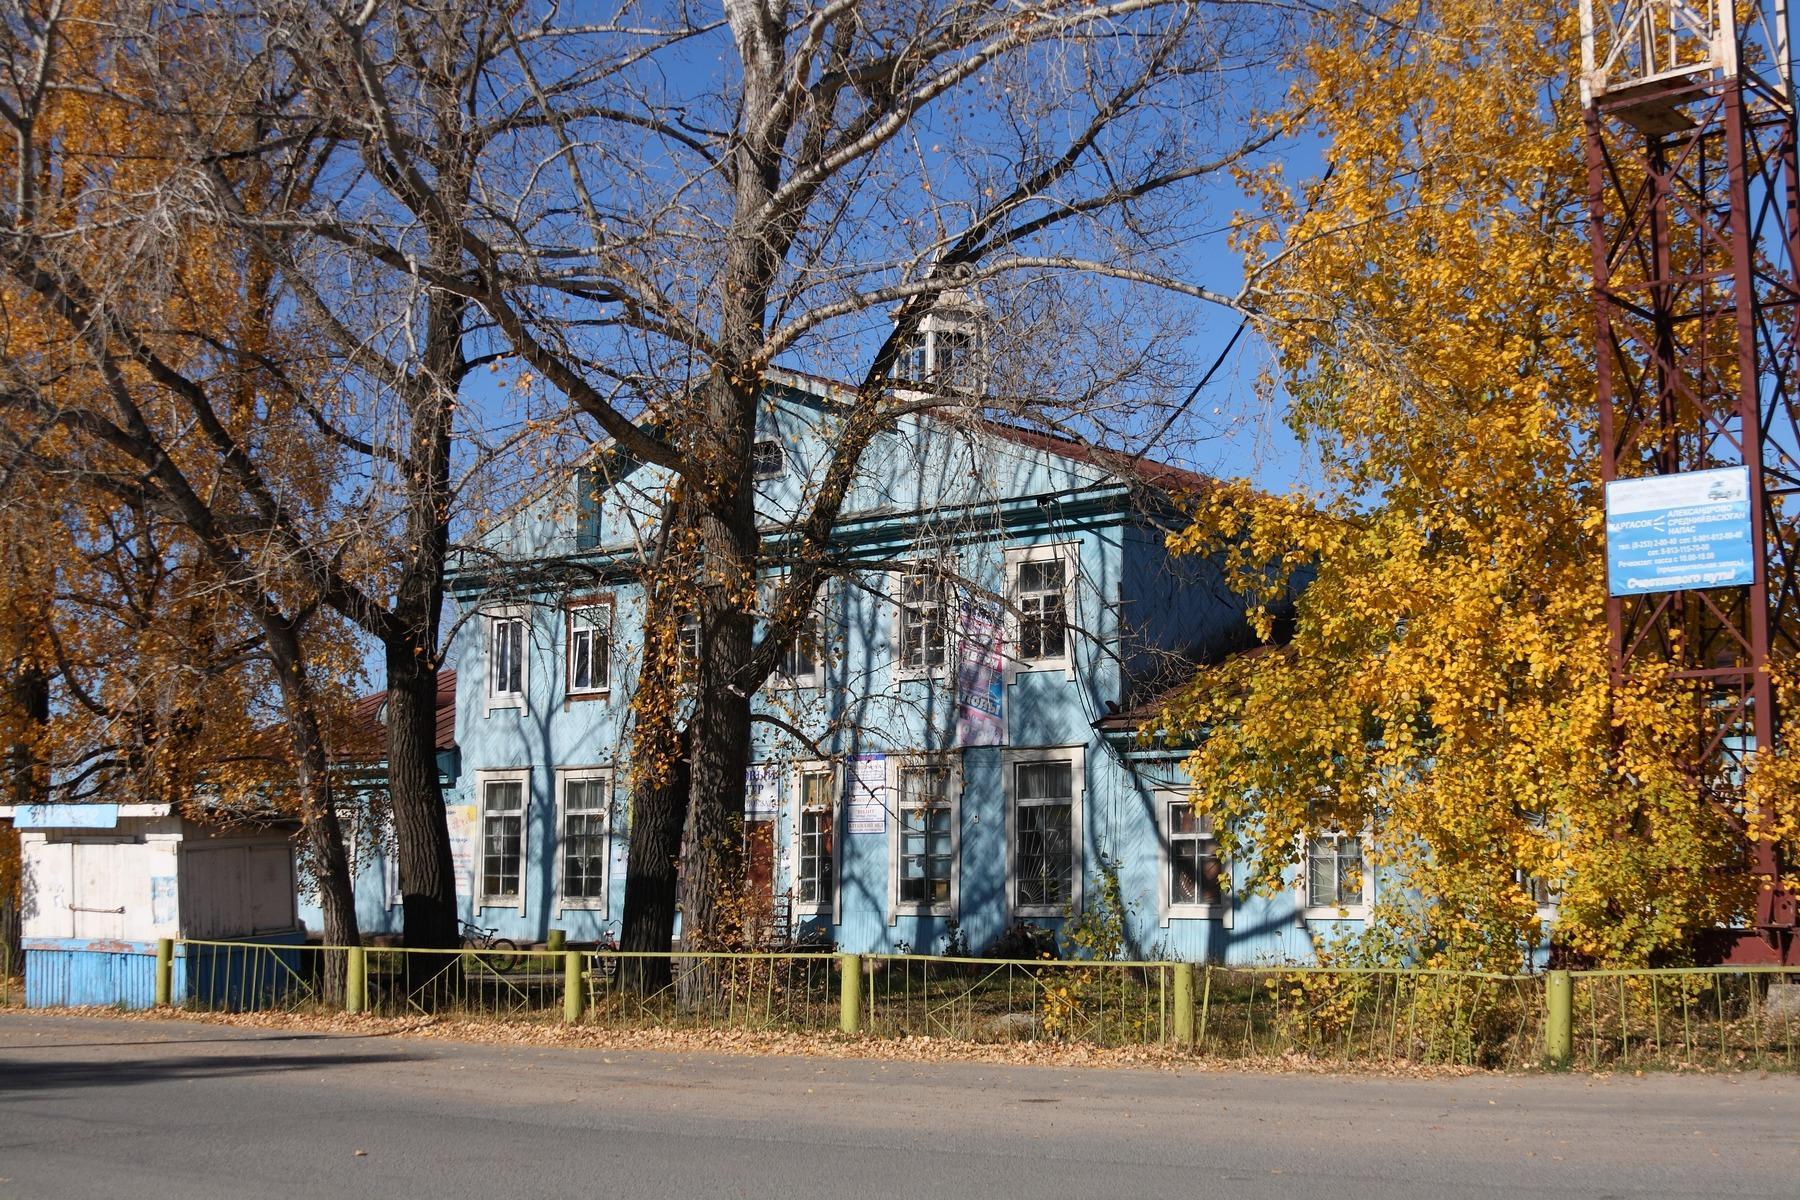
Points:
(589, 651)
(923, 598)
(1043, 612)
(800, 660)
(506, 658)
(687, 641)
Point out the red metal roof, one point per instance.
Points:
(367, 739)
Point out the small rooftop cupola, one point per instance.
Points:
(948, 352)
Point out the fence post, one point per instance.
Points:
(1184, 1005)
(1559, 1018)
(356, 976)
(165, 972)
(574, 987)
(850, 993)
(557, 941)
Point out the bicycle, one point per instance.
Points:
(496, 953)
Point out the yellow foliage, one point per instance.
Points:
(1446, 683)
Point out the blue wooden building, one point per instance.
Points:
(973, 761)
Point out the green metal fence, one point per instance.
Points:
(1707, 1017)
(1713, 1017)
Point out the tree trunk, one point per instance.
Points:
(421, 835)
(318, 806)
(331, 871)
(28, 694)
(719, 738)
(660, 776)
(659, 808)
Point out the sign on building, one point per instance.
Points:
(1671, 533)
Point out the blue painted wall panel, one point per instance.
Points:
(77, 972)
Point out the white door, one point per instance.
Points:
(98, 897)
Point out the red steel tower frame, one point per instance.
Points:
(1694, 215)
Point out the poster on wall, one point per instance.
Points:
(762, 798)
(867, 783)
(980, 673)
(461, 819)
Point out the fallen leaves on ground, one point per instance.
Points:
(783, 1043)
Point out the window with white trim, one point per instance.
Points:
(1337, 877)
(1196, 877)
(502, 839)
(923, 632)
(925, 843)
(1041, 581)
(815, 875)
(768, 459)
(802, 659)
(506, 660)
(1545, 895)
(1043, 616)
(913, 361)
(1043, 790)
(953, 359)
(687, 640)
(590, 649)
(1194, 883)
(582, 843)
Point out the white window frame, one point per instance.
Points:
(897, 623)
(820, 612)
(1167, 909)
(595, 615)
(798, 802)
(490, 619)
(1334, 912)
(522, 777)
(953, 784)
(603, 776)
(1076, 757)
(1016, 556)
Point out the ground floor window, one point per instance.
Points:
(583, 839)
(927, 831)
(815, 882)
(1336, 877)
(1195, 876)
(1043, 825)
(502, 839)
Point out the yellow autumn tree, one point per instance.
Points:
(1444, 690)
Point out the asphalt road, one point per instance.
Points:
(103, 1108)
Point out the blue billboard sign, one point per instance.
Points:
(1674, 533)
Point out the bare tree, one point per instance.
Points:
(652, 209)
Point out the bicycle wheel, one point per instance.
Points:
(501, 955)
